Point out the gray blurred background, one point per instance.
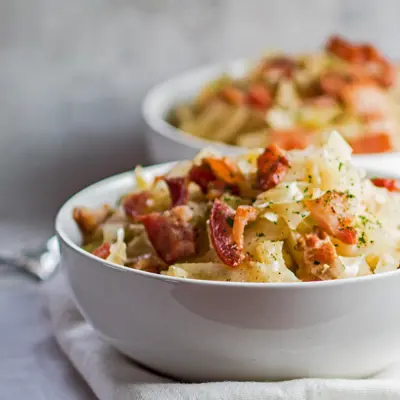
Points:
(73, 74)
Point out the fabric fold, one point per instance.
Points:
(112, 376)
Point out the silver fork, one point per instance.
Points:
(40, 263)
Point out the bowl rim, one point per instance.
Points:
(162, 127)
(64, 237)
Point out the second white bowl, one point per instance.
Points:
(167, 143)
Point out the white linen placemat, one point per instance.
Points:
(112, 376)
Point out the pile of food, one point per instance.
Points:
(267, 216)
(290, 100)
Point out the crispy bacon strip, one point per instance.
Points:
(221, 223)
(215, 176)
(321, 101)
(280, 67)
(392, 185)
(366, 99)
(216, 189)
(272, 166)
(202, 175)
(259, 96)
(89, 219)
(345, 50)
(379, 142)
(320, 260)
(148, 263)
(178, 190)
(136, 204)
(331, 213)
(290, 139)
(233, 95)
(170, 234)
(244, 215)
(384, 73)
(375, 65)
(225, 170)
(103, 251)
(333, 83)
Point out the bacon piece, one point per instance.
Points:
(233, 95)
(272, 166)
(216, 189)
(170, 234)
(366, 99)
(357, 92)
(384, 73)
(244, 215)
(178, 190)
(89, 219)
(136, 204)
(331, 213)
(148, 263)
(291, 139)
(259, 96)
(225, 170)
(392, 185)
(279, 67)
(372, 143)
(320, 260)
(333, 83)
(374, 64)
(202, 175)
(221, 223)
(103, 251)
(215, 176)
(345, 50)
(321, 101)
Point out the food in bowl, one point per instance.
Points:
(289, 100)
(266, 216)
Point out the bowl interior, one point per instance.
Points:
(106, 191)
(111, 189)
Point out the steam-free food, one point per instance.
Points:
(290, 100)
(267, 216)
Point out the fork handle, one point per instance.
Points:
(27, 264)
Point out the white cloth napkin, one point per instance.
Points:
(113, 376)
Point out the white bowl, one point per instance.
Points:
(167, 143)
(202, 330)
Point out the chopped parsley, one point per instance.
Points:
(229, 221)
(361, 239)
(349, 195)
(260, 234)
(340, 166)
(364, 219)
(316, 262)
(306, 190)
